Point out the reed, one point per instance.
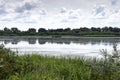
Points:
(37, 67)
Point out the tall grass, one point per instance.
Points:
(37, 67)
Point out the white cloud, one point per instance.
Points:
(59, 13)
(63, 10)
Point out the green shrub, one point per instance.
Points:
(7, 62)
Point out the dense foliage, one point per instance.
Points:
(36, 67)
(82, 31)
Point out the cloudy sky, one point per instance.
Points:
(25, 14)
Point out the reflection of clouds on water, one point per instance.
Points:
(59, 46)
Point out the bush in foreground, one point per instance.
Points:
(7, 62)
(36, 67)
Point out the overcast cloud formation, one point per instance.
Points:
(59, 13)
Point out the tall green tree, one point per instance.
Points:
(32, 30)
(42, 30)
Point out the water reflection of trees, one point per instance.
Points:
(83, 41)
(14, 41)
(6, 41)
(32, 40)
(52, 41)
(40, 41)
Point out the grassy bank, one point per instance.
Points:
(37, 67)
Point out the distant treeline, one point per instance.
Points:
(82, 31)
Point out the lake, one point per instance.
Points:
(66, 46)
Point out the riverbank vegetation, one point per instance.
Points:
(82, 31)
(37, 67)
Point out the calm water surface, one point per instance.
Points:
(60, 46)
